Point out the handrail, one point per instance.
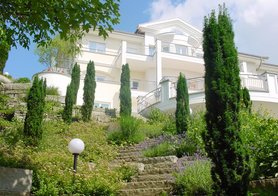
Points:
(196, 85)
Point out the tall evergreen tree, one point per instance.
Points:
(230, 171)
(75, 81)
(89, 92)
(246, 102)
(182, 109)
(35, 110)
(125, 93)
(69, 102)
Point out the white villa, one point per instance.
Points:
(156, 53)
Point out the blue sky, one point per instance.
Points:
(255, 30)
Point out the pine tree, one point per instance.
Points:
(69, 102)
(182, 109)
(89, 92)
(75, 80)
(35, 110)
(230, 171)
(246, 102)
(125, 93)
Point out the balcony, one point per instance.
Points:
(263, 88)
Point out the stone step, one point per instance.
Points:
(153, 177)
(148, 184)
(144, 192)
(160, 165)
(165, 170)
(153, 160)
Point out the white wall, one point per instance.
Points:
(58, 80)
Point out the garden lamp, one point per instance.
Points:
(76, 146)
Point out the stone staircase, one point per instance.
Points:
(155, 174)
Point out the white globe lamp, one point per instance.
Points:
(76, 146)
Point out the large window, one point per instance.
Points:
(180, 49)
(97, 47)
(134, 85)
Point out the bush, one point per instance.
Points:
(22, 80)
(156, 116)
(163, 149)
(169, 126)
(186, 148)
(52, 90)
(195, 180)
(260, 138)
(127, 172)
(128, 133)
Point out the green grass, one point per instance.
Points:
(52, 162)
(163, 149)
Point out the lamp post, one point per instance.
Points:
(76, 146)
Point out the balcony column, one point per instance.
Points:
(124, 48)
(272, 83)
(158, 62)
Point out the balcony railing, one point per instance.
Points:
(60, 70)
(254, 82)
(141, 50)
(195, 85)
(151, 98)
(181, 50)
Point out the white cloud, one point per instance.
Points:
(255, 24)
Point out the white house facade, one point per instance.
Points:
(156, 53)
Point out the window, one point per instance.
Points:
(165, 48)
(134, 85)
(151, 50)
(97, 47)
(180, 49)
(100, 78)
(101, 105)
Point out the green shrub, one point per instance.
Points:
(128, 133)
(156, 116)
(127, 172)
(260, 138)
(51, 90)
(169, 126)
(22, 80)
(163, 149)
(186, 147)
(195, 180)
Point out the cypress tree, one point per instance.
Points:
(246, 102)
(89, 92)
(35, 110)
(69, 102)
(182, 110)
(125, 93)
(75, 81)
(230, 171)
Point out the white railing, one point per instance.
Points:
(181, 50)
(195, 85)
(151, 98)
(254, 82)
(141, 50)
(60, 70)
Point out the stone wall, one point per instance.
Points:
(15, 181)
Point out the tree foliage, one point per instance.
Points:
(89, 92)
(35, 110)
(41, 20)
(4, 49)
(59, 53)
(69, 102)
(125, 93)
(182, 110)
(23, 21)
(75, 81)
(230, 170)
(247, 103)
